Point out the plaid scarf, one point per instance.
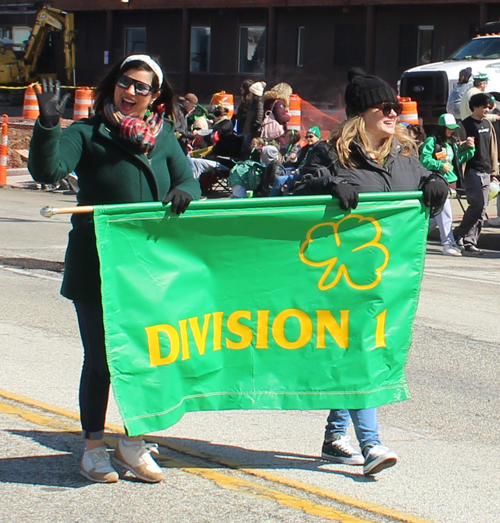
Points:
(142, 132)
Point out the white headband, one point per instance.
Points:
(147, 60)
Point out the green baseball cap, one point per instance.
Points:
(481, 77)
(448, 120)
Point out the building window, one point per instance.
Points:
(252, 49)
(408, 37)
(300, 47)
(349, 45)
(424, 46)
(200, 49)
(135, 40)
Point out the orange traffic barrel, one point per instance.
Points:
(4, 150)
(295, 112)
(409, 114)
(31, 110)
(227, 100)
(84, 102)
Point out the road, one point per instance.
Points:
(251, 466)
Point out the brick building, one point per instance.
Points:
(210, 45)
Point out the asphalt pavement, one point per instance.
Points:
(252, 466)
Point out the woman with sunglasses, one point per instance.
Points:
(367, 153)
(126, 153)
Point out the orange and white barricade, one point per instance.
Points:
(84, 102)
(31, 110)
(295, 112)
(410, 111)
(4, 150)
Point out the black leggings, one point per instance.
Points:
(94, 383)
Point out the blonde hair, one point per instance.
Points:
(354, 130)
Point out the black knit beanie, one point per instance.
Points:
(364, 91)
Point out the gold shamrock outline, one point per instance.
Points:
(342, 271)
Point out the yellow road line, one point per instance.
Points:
(269, 476)
(221, 479)
(300, 485)
(248, 487)
(36, 418)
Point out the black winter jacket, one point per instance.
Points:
(323, 171)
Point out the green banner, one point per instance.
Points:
(265, 303)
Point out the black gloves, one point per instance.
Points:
(435, 191)
(347, 194)
(180, 200)
(51, 108)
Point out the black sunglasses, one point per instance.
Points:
(140, 88)
(387, 107)
(310, 136)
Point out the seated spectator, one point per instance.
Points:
(221, 119)
(192, 109)
(201, 134)
(270, 157)
(256, 149)
(292, 149)
(225, 152)
(288, 179)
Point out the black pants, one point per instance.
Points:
(94, 383)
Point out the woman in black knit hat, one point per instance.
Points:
(367, 153)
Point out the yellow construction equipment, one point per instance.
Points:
(21, 70)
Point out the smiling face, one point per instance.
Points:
(379, 126)
(128, 101)
(479, 113)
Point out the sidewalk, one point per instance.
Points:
(490, 236)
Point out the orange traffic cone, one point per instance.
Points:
(295, 121)
(31, 110)
(84, 102)
(4, 150)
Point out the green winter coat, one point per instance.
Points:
(110, 171)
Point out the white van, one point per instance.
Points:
(430, 85)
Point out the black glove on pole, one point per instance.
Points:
(347, 194)
(180, 200)
(51, 108)
(435, 191)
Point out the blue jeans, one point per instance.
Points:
(285, 179)
(365, 425)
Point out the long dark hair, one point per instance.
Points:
(107, 86)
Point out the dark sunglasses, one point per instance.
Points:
(140, 88)
(310, 136)
(387, 107)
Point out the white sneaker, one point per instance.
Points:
(451, 250)
(136, 457)
(494, 222)
(96, 466)
(379, 458)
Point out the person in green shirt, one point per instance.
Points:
(441, 153)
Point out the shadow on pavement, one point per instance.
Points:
(62, 470)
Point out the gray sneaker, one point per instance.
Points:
(379, 458)
(97, 467)
(340, 450)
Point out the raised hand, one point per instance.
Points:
(51, 107)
